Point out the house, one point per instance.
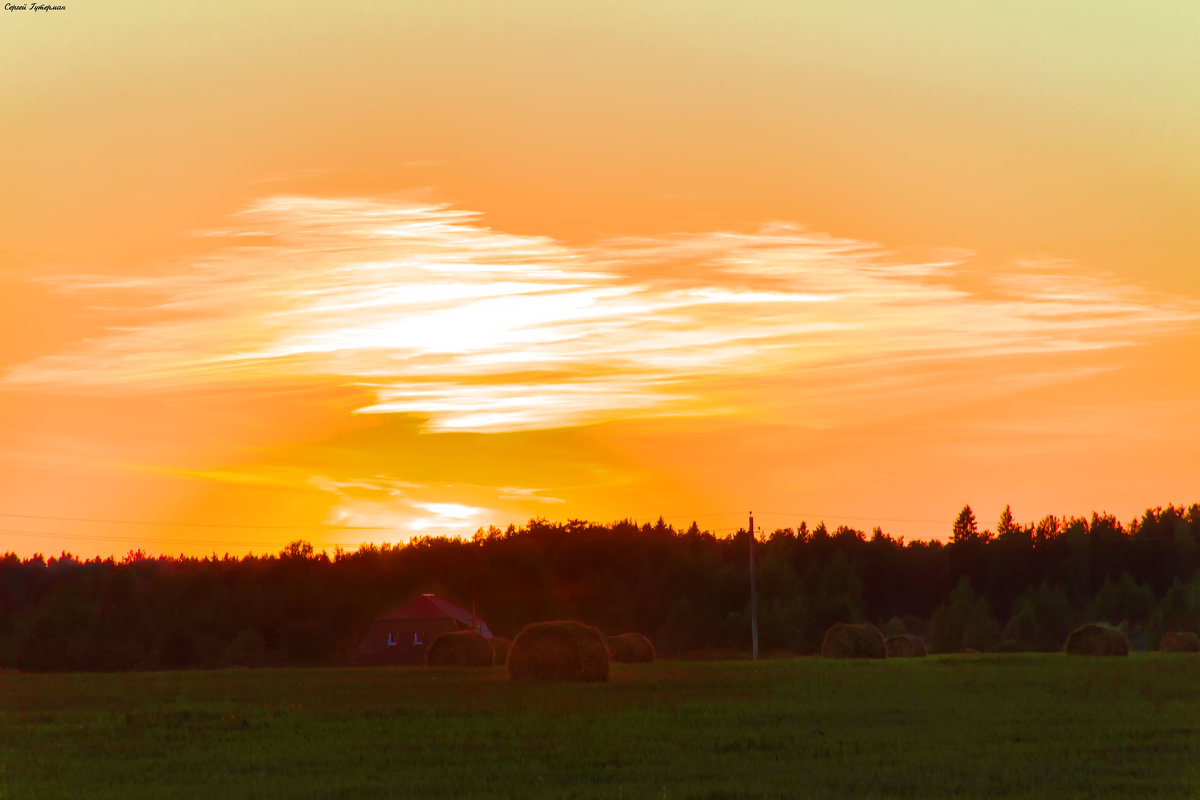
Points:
(402, 635)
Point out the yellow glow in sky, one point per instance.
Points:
(360, 272)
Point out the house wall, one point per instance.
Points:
(400, 641)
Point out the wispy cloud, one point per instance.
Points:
(477, 330)
(396, 506)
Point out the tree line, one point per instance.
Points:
(1018, 587)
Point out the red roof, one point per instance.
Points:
(430, 606)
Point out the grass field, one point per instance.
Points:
(963, 725)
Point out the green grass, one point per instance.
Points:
(968, 726)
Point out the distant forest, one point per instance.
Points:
(1019, 587)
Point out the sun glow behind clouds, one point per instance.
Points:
(477, 330)
(394, 507)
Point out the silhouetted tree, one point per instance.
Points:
(963, 622)
(1041, 619)
(965, 526)
(687, 590)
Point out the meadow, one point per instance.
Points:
(1005, 725)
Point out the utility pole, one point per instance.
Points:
(753, 597)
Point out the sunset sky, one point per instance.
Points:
(352, 272)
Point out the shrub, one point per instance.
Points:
(1041, 619)
(1125, 599)
(1179, 609)
(832, 593)
(248, 649)
(963, 623)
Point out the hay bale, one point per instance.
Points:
(1094, 639)
(845, 640)
(500, 647)
(630, 648)
(905, 646)
(459, 649)
(563, 650)
(1179, 642)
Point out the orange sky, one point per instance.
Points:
(350, 272)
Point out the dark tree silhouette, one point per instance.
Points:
(686, 590)
(965, 526)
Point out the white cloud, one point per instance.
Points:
(478, 330)
(398, 508)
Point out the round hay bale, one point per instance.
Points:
(1094, 639)
(845, 640)
(906, 646)
(563, 650)
(500, 647)
(630, 648)
(1179, 642)
(459, 649)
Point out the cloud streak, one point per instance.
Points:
(392, 505)
(472, 329)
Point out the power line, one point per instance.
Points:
(1126, 539)
(861, 519)
(328, 527)
(201, 524)
(140, 541)
(813, 515)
